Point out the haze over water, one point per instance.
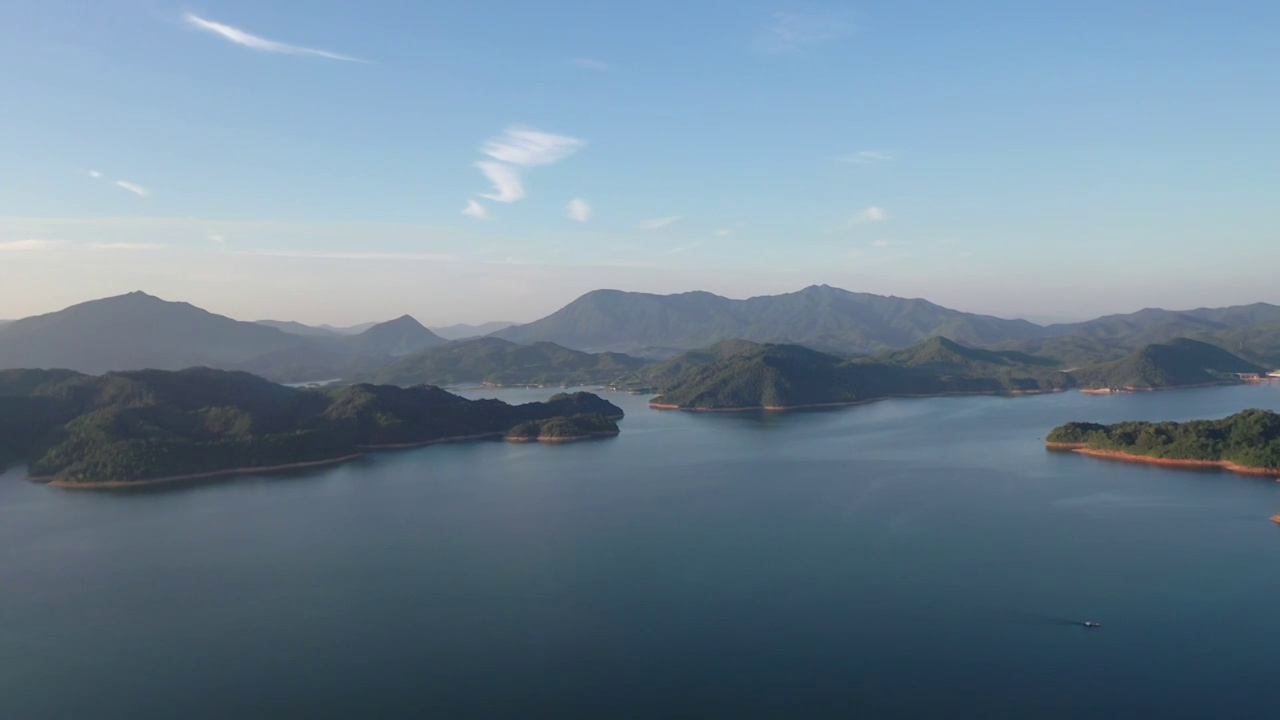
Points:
(904, 558)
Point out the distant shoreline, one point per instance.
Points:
(1084, 449)
(565, 439)
(259, 470)
(851, 403)
(1129, 389)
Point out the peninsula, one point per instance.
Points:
(150, 426)
(1247, 442)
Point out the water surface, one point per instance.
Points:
(901, 559)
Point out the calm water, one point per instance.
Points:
(907, 558)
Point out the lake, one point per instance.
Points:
(908, 558)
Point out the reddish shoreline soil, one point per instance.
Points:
(117, 484)
(1084, 449)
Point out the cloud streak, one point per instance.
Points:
(134, 188)
(527, 147)
(578, 209)
(590, 64)
(245, 39)
(793, 32)
(660, 222)
(475, 210)
(30, 245)
(126, 246)
(869, 215)
(866, 157)
(507, 185)
(683, 248)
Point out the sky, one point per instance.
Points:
(340, 162)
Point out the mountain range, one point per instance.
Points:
(138, 331)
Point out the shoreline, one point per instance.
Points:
(257, 470)
(1127, 389)
(191, 477)
(852, 403)
(1118, 456)
(565, 439)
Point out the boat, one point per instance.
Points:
(1091, 624)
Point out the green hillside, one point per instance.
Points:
(149, 424)
(500, 362)
(1250, 438)
(1178, 362)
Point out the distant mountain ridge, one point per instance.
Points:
(462, 331)
(820, 316)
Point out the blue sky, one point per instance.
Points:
(313, 160)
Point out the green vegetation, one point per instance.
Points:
(1249, 439)
(153, 424)
(562, 429)
(1178, 362)
(500, 362)
(747, 376)
(792, 376)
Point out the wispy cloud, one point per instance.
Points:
(517, 148)
(578, 209)
(792, 32)
(134, 188)
(216, 239)
(683, 248)
(661, 222)
(881, 243)
(240, 37)
(30, 245)
(96, 175)
(867, 216)
(475, 210)
(126, 246)
(724, 232)
(527, 147)
(590, 64)
(507, 186)
(866, 157)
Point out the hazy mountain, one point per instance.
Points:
(1178, 362)
(348, 330)
(501, 362)
(135, 331)
(821, 317)
(1156, 325)
(401, 336)
(297, 328)
(462, 331)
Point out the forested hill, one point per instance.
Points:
(1249, 439)
(141, 425)
(500, 362)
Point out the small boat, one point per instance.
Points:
(1091, 624)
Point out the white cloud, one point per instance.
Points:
(507, 186)
(29, 245)
(724, 232)
(881, 243)
(216, 239)
(475, 210)
(527, 147)
(133, 188)
(661, 222)
(240, 37)
(684, 248)
(96, 175)
(578, 209)
(590, 64)
(126, 246)
(870, 215)
(791, 32)
(866, 157)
